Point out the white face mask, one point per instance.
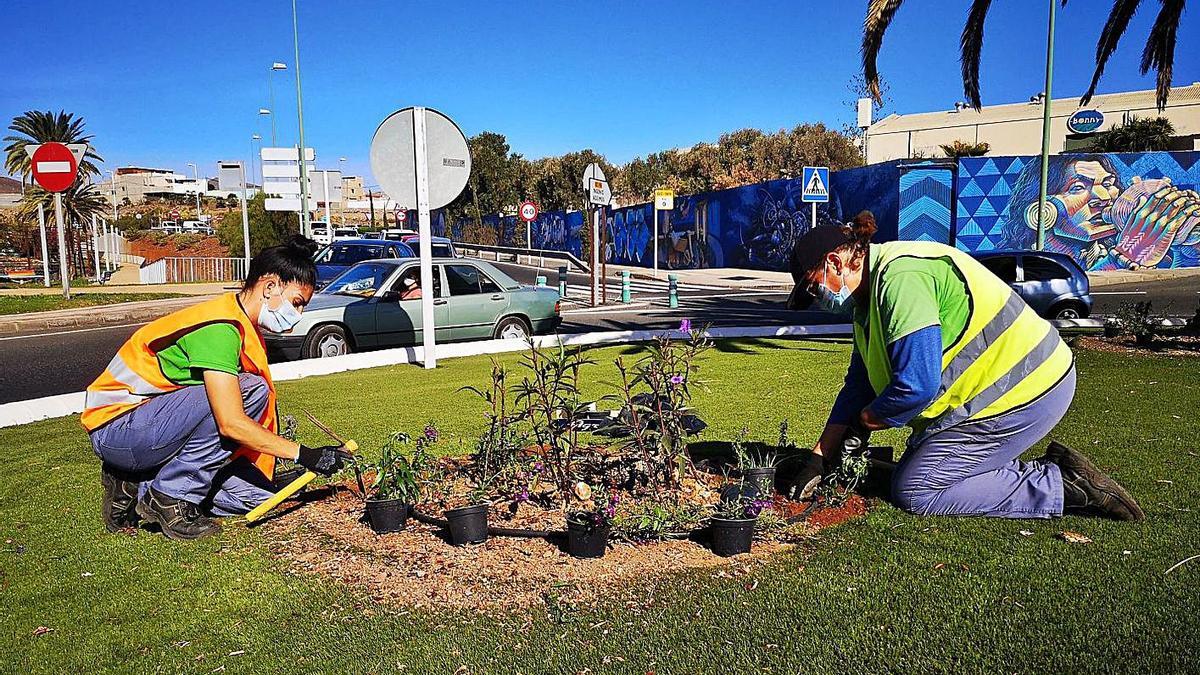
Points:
(279, 320)
(410, 282)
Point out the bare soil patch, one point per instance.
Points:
(419, 568)
(1169, 345)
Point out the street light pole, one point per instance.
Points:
(342, 177)
(254, 137)
(304, 226)
(275, 65)
(196, 177)
(1041, 218)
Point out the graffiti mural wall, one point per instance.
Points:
(749, 227)
(1109, 211)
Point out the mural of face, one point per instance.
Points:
(1084, 203)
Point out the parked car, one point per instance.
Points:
(442, 247)
(340, 233)
(336, 257)
(321, 235)
(1053, 284)
(397, 233)
(362, 309)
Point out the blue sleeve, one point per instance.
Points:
(856, 393)
(916, 376)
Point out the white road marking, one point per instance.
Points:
(1118, 292)
(68, 332)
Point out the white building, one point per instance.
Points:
(1016, 128)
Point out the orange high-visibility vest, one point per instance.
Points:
(134, 375)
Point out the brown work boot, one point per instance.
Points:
(178, 519)
(1087, 490)
(120, 498)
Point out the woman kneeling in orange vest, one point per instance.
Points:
(183, 418)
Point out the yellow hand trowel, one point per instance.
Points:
(295, 486)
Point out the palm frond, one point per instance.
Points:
(1114, 28)
(879, 17)
(1160, 48)
(971, 44)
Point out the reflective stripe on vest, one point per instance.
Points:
(1005, 358)
(134, 375)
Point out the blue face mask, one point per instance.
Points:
(278, 320)
(836, 303)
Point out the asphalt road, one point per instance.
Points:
(57, 363)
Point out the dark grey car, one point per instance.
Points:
(1053, 284)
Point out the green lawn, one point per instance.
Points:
(889, 592)
(21, 304)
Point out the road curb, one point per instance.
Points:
(93, 317)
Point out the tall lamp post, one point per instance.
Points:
(276, 65)
(253, 138)
(342, 177)
(196, 177)
(304, 215)
(1041, 212)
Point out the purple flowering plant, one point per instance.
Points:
(599, 509)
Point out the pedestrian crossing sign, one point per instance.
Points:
(816, 184)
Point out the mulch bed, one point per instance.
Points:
(1169, 345)
(419, 568)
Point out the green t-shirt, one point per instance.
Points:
(920, 292)
(215, 346)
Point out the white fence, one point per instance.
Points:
(185, 270)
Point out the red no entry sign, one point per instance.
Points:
(54, 167)
(401, 215)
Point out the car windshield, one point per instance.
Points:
(362, 280)
(345, 232)
(348, 254)
(441, 251)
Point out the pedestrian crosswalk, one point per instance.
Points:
(641, 288)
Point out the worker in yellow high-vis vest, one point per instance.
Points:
(183, 418)
(945, 347)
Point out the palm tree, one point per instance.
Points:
(1159, 52)
(35, 127)
(1135, 134)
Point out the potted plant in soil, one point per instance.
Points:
(733, 520)
(394, 487)
(468, 524)
(588, 529)
(756, 464)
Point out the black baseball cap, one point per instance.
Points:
(808, 252)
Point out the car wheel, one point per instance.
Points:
(512, 328)
(327, 340)
(1067, 310)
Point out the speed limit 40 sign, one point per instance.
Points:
(528, 211)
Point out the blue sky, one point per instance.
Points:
(163, 84)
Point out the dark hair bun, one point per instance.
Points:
(303, 244)
(862, 227)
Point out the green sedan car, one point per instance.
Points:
(376, 304)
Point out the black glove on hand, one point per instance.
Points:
(326, 460)
(855, 440)
(806, 482)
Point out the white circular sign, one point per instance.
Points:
(529, 211)
(591, 173)
(393, 158)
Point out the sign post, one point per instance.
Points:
(54, 167)
(816, 188)
(664, 200)
(528, 213)
(45, 252)
(96, 246)
(420, 156)
(595, 185)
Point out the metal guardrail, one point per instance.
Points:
(515, 254)
(173, 270)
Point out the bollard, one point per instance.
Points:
(562, 281)
(673, 290)
(541, 280)
(625, 290)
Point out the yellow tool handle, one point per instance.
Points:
(290, 489)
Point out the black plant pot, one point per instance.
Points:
(387, 515)
(468, 525)
(585, 540)
(731, 537)
(763, 478)
(1112, 329)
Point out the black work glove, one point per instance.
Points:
(325, 460)
(855, 440)
(805, 483)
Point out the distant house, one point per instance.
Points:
(10, 192)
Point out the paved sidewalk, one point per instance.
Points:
(208, 288)
(1101, 279)
(91, 317)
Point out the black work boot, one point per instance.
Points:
(178, 519)
(120, 498)
(1087, 490)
